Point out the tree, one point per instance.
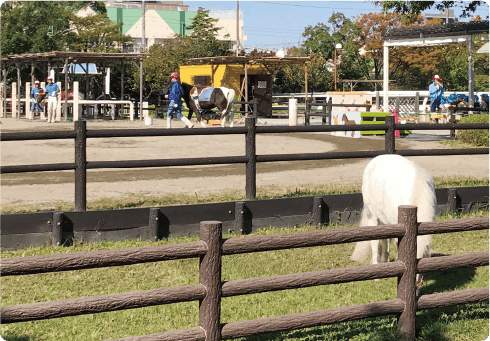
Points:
(95, 33)
(204, 34)
(39, 26)
(417, 7)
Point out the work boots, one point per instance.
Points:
(187, 122)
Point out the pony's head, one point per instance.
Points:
(166, 89)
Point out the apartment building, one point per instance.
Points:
(165, 19)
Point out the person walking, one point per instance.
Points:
(436, 91)
(35, 104)
(175, 105)
(52, 90)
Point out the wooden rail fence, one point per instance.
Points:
(250, 159)
(211, 288)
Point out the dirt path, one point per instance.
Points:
(53, 186)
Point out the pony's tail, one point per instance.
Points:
(230, 98)
(361, 251)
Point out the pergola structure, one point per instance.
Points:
(55, 60)
(268, 63)
(460, 33)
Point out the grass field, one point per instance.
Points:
(465, 322)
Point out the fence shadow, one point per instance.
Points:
(14, 337)
(446, 280)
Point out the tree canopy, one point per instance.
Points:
(417, 7)
(44, 26)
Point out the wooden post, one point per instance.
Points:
(154, 223)
(452, 200)
(407, 253)
(57, 229)
(29, 113)
(14, 100)
(250, 151)
(240, 216)
(390, 135)
(66, 91)
(81, 164)
(417, 102)
(210, 278)
(317, 212)
(75, 102)
(57, 117)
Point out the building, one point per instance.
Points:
(163, 20)
(446, 16)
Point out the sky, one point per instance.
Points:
(277, 24)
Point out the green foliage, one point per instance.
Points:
(95, 33)
(417, 7)
(166, 59)
(43, 26)
(478, 138)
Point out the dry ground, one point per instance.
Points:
(53, 186)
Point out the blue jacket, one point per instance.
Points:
(51, 88)
(176, 92)
(434, 93)
(34, 92)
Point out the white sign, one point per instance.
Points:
(346, 118)
(262, 84)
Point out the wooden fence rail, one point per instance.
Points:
(211, 288)
(250, 159)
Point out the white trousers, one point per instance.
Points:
(52, 104)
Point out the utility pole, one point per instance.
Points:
(143, 40)
(237, 28)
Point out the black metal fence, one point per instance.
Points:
(80, 134)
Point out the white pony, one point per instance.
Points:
(388, 182)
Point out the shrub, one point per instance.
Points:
(475, 137)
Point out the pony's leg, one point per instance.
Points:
(385, 255)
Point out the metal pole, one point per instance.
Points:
(386, 73)
(237, 28)
(66, 90)
(143, 41)
(140, 112)
(471, 74)
(335, 69)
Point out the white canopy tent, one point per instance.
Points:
(461, 33)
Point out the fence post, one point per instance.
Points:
(210, 278)
(407, 254)
(307, 113)
(397, 104)
(57, 229)
(251, 166)
(452, 200)
(324, 111)
(81, 164)
(317, 213)
(417, 102)
(240, 216)
(390, 135)
(154, 223)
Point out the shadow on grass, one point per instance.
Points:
(446, 280)
(14, 337)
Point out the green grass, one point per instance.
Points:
(464, 322)
(265, 192)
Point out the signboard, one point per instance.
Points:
(346, 118)
(262, 84)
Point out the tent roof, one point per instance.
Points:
(78, 57)
(457, 29)
(246, 60)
